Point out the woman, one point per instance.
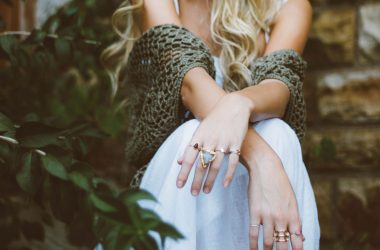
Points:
(195, 174)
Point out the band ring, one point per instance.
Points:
(255, 225)
(235, 151)
(222, 150)
(298, 235)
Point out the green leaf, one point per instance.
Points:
(130, 197)
(81, 178)
(7, 43)
(37, 36)
(37, 135)
(166, 230)
(70, 9)
(29, 176)
(5, 123)
(102, 204)
(62, 48)
(54, 167)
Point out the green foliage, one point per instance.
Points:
(55, 103)
(46, 170)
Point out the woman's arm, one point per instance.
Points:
(290, 31)
(269, 98)
(156, 13)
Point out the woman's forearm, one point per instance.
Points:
(269, 99)
(200, 94)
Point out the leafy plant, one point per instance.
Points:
(46, 163)
(56, 103)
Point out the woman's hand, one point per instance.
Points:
(272, 202)
(224, 129)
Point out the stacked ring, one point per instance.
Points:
(281, 235)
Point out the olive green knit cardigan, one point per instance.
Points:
(155, 69)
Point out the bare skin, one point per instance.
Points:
(274, 206)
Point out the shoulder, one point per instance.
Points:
(291, 25)
(293, 9)
(157, 12)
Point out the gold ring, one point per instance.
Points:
(236, 151)
(281, 235)
(254, 225)
(298, 235)
(222, 150)
(207, 156)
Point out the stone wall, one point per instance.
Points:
(342, 147)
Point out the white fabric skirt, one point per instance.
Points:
(220, 220)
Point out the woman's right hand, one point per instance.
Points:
(272, 202)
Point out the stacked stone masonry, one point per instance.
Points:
(342, 145)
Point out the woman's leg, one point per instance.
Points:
(220, 220)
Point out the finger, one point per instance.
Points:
(180, 160)
(268, 234)
(296, 236)
(199, 175)
(255, 219)
(232, 165)
(254, 229)
(213, 172)
(188, 159)
(281, 245)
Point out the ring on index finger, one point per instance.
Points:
(195, 146)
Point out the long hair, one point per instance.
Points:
(236, 26)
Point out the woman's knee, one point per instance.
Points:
(279, 135)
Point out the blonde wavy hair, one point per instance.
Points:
(236, 25)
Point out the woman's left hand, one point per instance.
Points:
(224, 129)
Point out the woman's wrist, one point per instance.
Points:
(248, 102)
(241, 103)
(252, 150)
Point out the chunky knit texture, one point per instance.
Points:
(155, 70)
(289, 67)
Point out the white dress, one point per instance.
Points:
(220, 220)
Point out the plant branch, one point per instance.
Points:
(55, 36)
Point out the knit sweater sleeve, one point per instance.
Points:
(289, 67)
(155, 70)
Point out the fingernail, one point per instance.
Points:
(179, 184)
(206, 190)
(194, 192)
(226, 183)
